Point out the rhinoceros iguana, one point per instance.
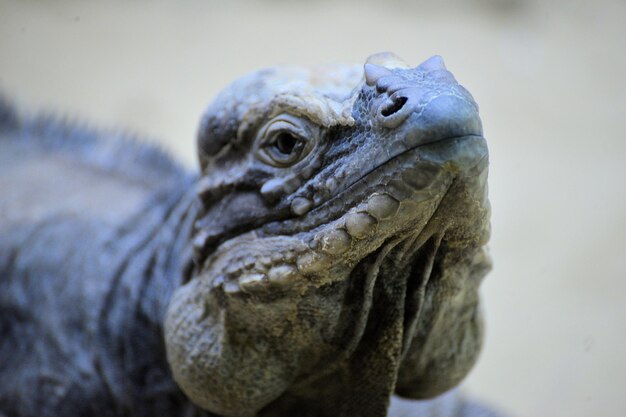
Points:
(324, 261)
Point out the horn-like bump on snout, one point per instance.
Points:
(433, 63)
(387, 60)
(374, 72)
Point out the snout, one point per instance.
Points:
(423, 104)
(444, 117)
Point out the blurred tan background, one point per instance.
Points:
(549, 77)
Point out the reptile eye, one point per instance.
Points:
(285, 141)
(284, 148)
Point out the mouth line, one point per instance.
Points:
(295, 228)
(404, 152)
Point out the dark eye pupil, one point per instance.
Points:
(285, 143)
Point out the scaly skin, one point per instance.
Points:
(328, 256)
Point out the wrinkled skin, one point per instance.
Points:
(327, 258)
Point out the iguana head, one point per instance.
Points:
(338, 252)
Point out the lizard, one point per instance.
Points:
(324, 261)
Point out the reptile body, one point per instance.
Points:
(326, 258)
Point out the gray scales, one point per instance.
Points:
(324, 262)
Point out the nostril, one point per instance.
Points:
(394, 106)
